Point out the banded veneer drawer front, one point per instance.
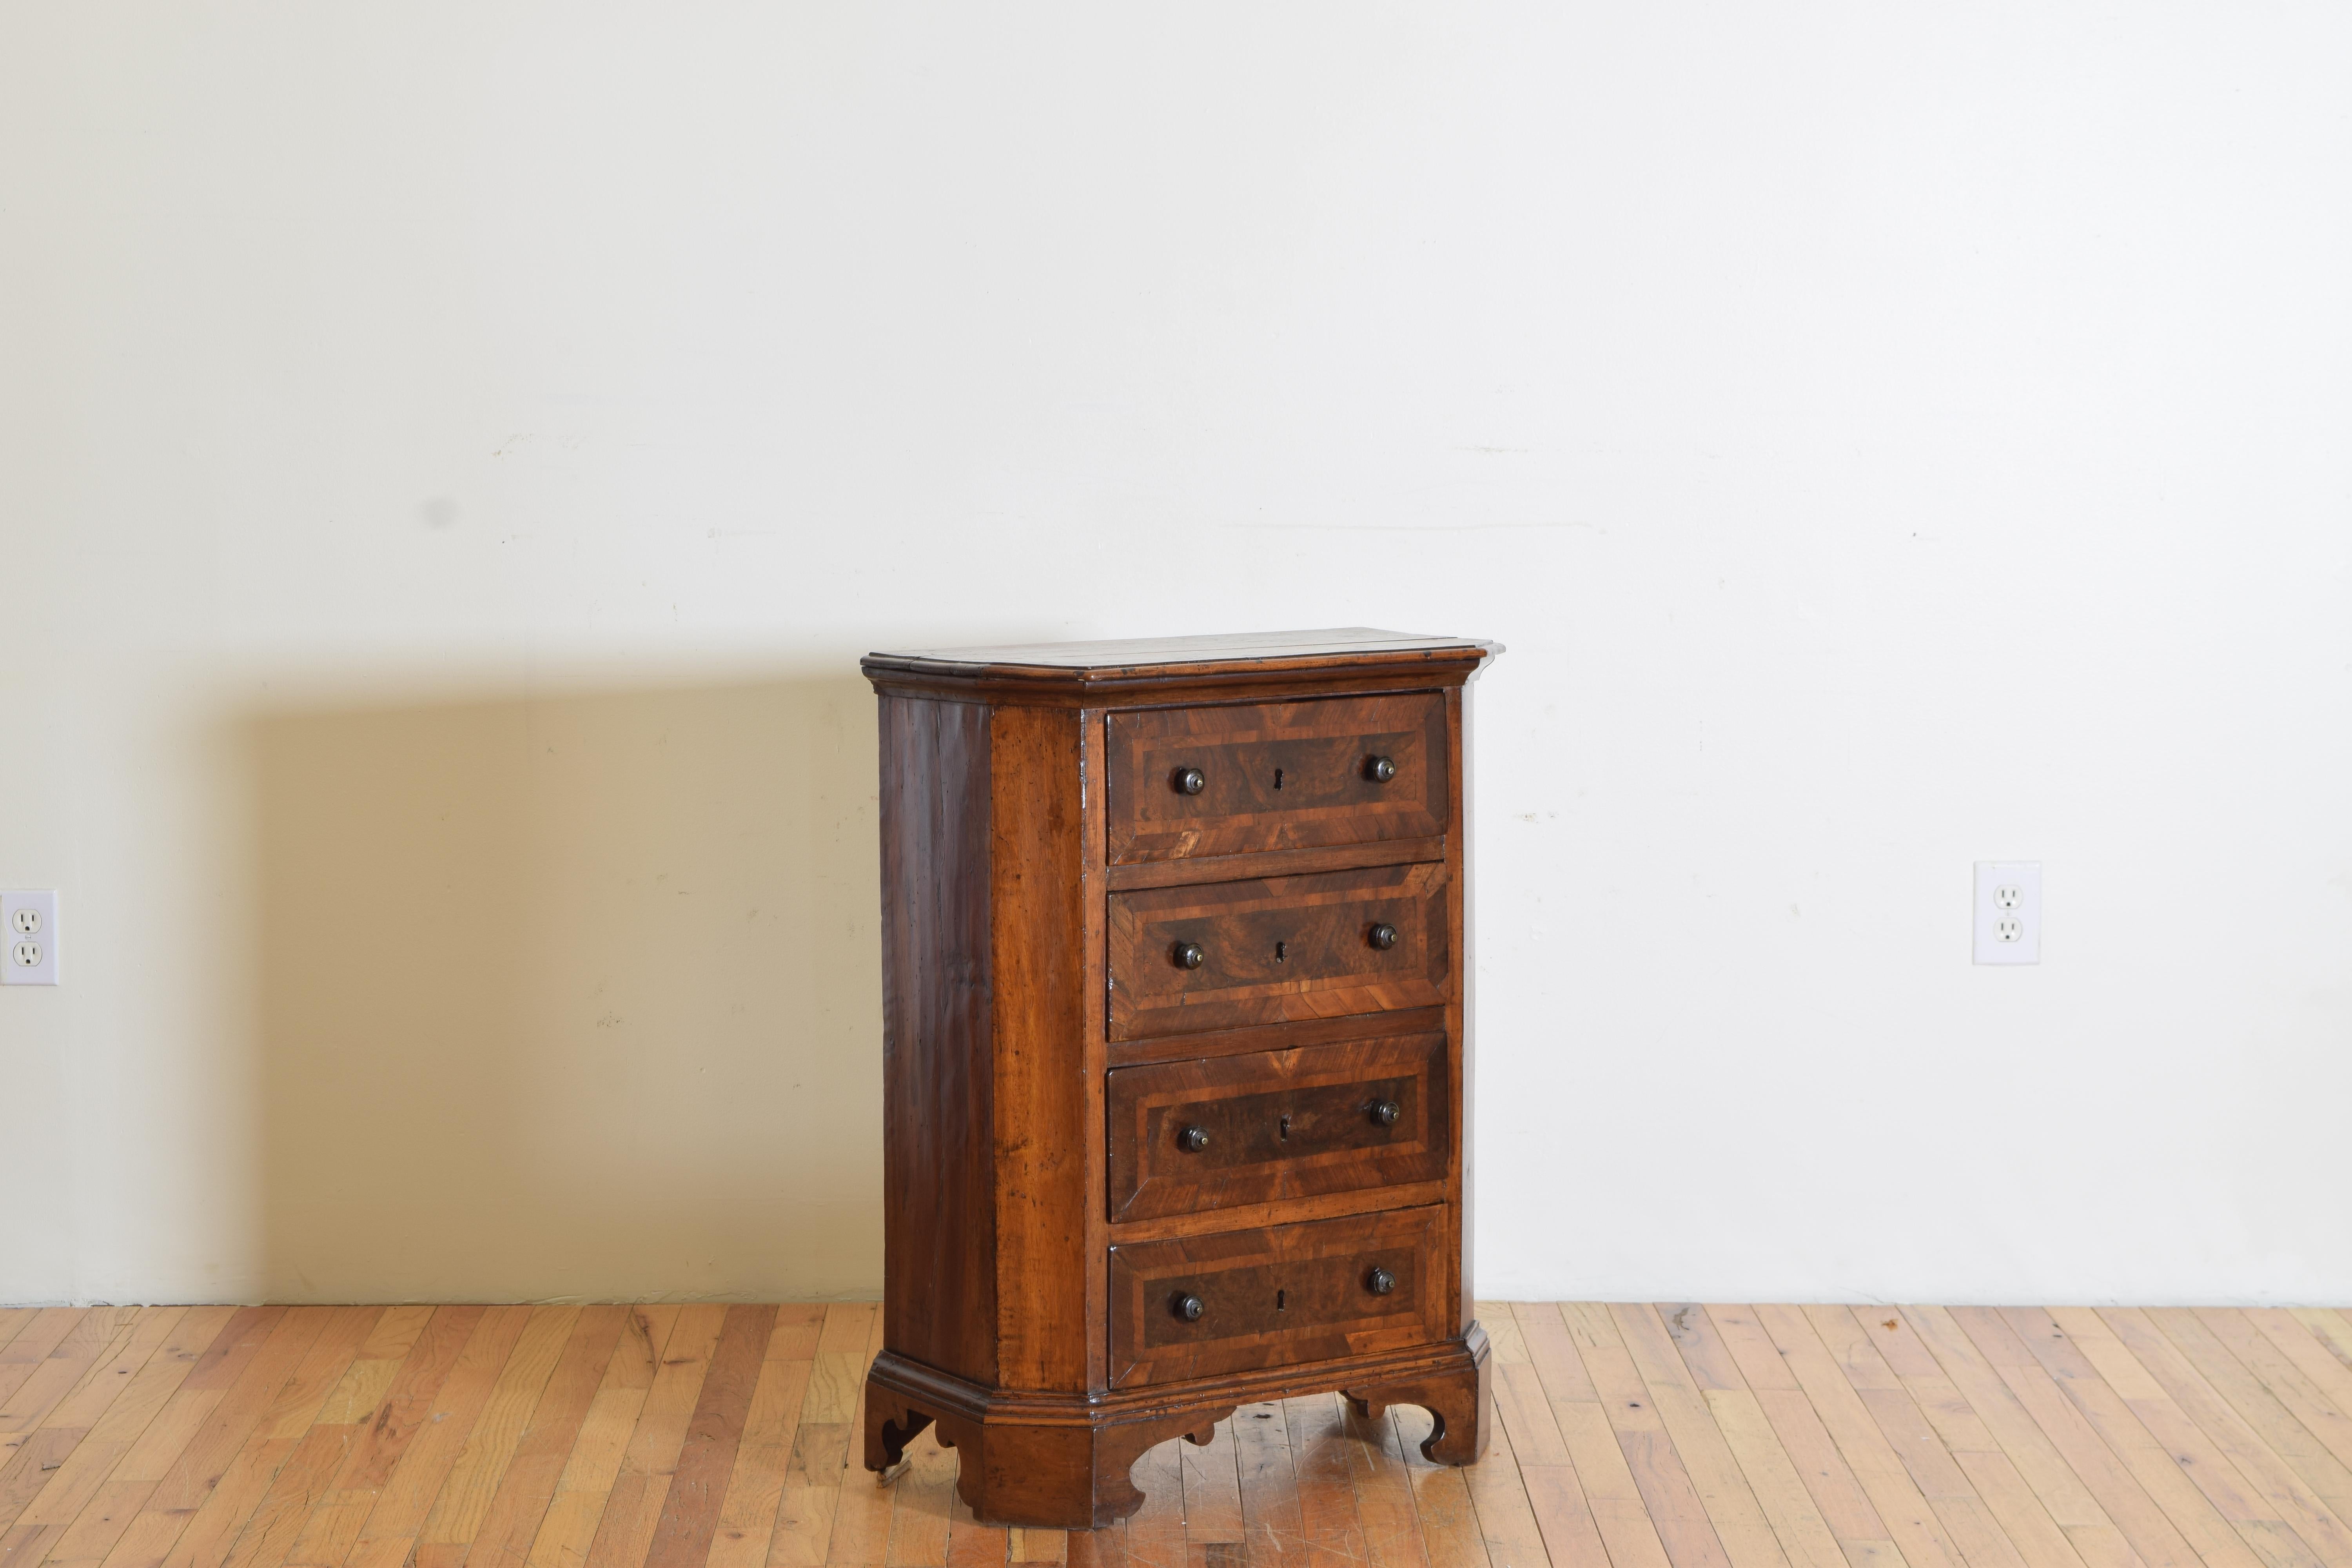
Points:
(1191, 1136)
(1273, 950)
(1242, 1300)
(1277, 775)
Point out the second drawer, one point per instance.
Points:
(1278, 949)
(1194, 1135)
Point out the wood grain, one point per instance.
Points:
(1290, 775)
(1037, 820)
(938, 1131)
(1047, 1171)
(359, 1437)
(1188, 1137)
(1272, 1297)
(1277, 949)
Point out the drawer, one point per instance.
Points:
(1271, 950)
(1275, 775)
(1276, 1297)
(1189, 1136)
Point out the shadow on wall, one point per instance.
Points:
(574, 997)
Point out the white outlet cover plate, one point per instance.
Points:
(2009, 911)
(28, 918)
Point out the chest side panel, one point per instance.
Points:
(939, 1297)
(1048, 1088)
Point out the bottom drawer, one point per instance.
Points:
(1201, 1305)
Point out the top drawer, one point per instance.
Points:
(1277, 775)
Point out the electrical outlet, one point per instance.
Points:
(28, 926)
(2009, 911)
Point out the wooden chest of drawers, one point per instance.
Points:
(1176, 1019)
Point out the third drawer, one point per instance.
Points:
(1194, 1135)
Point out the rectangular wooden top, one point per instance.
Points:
(1182, 669)
(1131, 653)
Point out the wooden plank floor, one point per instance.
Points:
(1628, 1436)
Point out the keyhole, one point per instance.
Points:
(1285, 1127)
(1282, 1301)
(1277, 778)
(1282, 952)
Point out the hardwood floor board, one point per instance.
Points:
(636, 1506)
(2040, 1539)
(233, 1350)
(1104, 1548)
(923, 1505)
(747, 1521)
(2202, 1430)
(1976, 1533)
(971, 1544)
(1212, 1487)
(803, 1521)
(1450, 1534)
(1571, 1536)
(1660, 1478)
(94, 1338)
(407, 1498)
(1752, 1348)
(137, 1386)
(1273, 1528)
(1384, 1503)
(861, 1525)
(799, 1326)
(1910, 1522)
(2076, 1442)
(1522, 1409)
(2183, 1497)
(1038, 1545)
(2331, 1329)
(1673, 1435)
(2269, 1368)
(2276, 1543)
(2101, 1546)
(705, 1465)
(501, 1534)
(252, 1434)
(1612, 1497)
(1730, 1505)
(1506, 1518)
(1155, 1532)
(2054, 1484)
(457, 1510)
(2315, 1358)
(1317, 1430)
(26, 1353)
(1797, 1522)
(298, 1486)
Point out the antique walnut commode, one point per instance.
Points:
(1176, 1058)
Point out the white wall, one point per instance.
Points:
(451, 456)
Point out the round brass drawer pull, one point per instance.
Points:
(1189, 1308)
(1380, 1282)
(1385, 1112)
(1189, 781)
(1383, 936)
(1192, 1140)
(1379, 770)
(1189, 955)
